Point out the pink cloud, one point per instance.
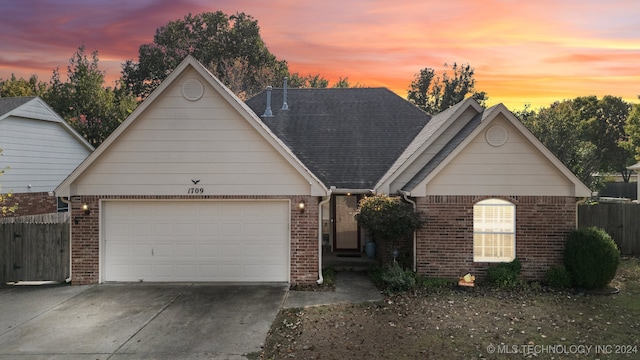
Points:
(522, 51)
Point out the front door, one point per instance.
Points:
(345, 225)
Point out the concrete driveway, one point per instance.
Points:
(137, 321)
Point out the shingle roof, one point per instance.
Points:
(348, 138)
(436, 122)
(9, 103)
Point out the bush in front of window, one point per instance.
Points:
(591, 257)
(505, 275)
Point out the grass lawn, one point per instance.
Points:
(450, 323)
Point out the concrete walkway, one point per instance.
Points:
(351, 287)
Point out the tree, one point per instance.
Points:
(20, 87)
(632, 129)
(229, 46)
(308, 81)
(5, 209)
(342, 83)
(387, 218)
(435, 93)
(93, 110)
(585, 133)
(604, 122)
(559, 128)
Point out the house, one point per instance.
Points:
(40, 150)
(197, 185)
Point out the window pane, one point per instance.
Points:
(494, 230)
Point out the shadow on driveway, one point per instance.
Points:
(134, 321)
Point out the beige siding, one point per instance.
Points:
(176, 141)
(37, 152)
(515, 168)
(432, 150)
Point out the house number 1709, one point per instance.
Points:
(194, 190)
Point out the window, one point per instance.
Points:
(494, 231)
(62, 206)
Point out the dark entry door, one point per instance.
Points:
(345, 225)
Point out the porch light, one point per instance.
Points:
(85, 209)
(301, 206)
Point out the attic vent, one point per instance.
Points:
(192, 89)
(496, 136)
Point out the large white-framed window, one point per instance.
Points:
(494, 231)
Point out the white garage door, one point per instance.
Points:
(195, 241)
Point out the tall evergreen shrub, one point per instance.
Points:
(591, 257)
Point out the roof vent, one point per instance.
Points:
(192, 89)
(497, 136)
(267, 112)
(284, 104)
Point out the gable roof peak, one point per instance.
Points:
(8, 104)
(316, 186)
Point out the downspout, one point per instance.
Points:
(320, 278)
(68, 202)
(405, 195)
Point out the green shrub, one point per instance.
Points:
(387, 217)
(558, 277)
(431, 283)
(591, 257)
(396, 279)
(505, 275)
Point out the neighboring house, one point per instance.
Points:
(40, 149)
(196, 185)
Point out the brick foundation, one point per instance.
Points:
(32, 203)
(445, 243)
(85, 235)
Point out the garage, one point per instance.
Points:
(195, 241)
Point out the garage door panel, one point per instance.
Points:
(196, 240)
(141, 229)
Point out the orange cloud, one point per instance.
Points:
(523, 51)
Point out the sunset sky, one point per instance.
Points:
(523, 52)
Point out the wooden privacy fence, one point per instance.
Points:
(34, 248)
(621, 221)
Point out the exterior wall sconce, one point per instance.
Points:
(301, 206)
(85, 210)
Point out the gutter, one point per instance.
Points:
(405, 195)
(320, 278)
(68, 202)
(341, 191)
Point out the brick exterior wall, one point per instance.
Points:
(445, 243)
(32, 203)
(85, 235)
(404, 246)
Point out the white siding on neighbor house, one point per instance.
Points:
(34, 109)
(38, 152)
(515, 168)
(176, 141)
(432, 150)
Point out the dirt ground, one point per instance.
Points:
(479, 323)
